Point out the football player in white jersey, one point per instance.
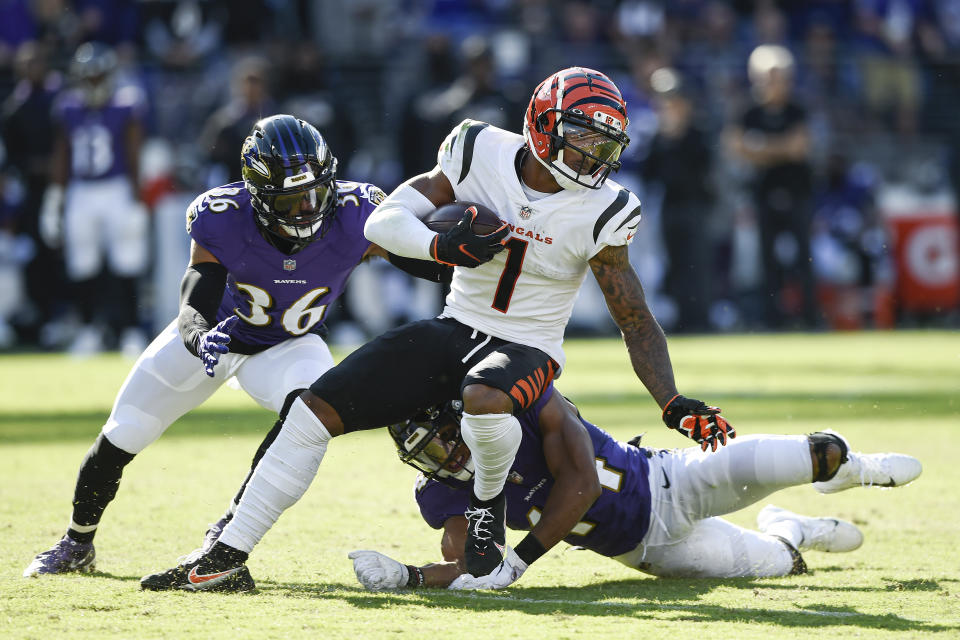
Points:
(498, 342)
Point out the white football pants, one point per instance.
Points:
(167, 381)
(101, 217)
(689, 488)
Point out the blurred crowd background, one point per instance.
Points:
(798, 161)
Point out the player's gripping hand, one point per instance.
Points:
(213, 343)
(376, 571)
(460, 246)
(698, 422)
(506, 573)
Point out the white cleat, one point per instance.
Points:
(871, 470)
(819, 534)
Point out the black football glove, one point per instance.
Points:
(460, 246)
(694, 419)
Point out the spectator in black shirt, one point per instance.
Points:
(26, 129)
(679, 161)
(772, 138)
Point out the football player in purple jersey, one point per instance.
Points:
(269, 255)
(655, 510)
(92, 206)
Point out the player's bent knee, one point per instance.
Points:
(324, 412)
(479, 399)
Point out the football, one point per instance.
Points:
(447, 216)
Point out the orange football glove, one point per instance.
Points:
(694, 419)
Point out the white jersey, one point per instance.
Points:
(526, 293)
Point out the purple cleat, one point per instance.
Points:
(213, 533)
(65, 556)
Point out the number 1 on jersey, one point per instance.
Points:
(516, 249)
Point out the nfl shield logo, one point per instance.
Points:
(525, 212)
(289, 264)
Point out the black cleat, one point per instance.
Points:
(202, 572)
(486, 534)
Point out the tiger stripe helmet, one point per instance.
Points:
(582, 109)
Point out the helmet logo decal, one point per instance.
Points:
(607, 120)
(251, 158)
(292, 181)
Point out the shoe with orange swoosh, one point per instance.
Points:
(210, 571)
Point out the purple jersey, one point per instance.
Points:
(614, 524)
(98, 136)
(279, 296)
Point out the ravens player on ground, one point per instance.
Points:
(497, 343)
(268, 255)
(653, 510)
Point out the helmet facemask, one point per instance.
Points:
(432, 443)
(297, 213)
(585, 152)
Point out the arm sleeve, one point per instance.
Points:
(200, 293)
(425, 269)
(395, 224)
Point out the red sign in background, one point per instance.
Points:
(927, 255)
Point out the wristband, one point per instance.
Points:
(529, 549)
(415, 578)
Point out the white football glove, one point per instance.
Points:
(508, 572)
(377, 572)
(50, 224)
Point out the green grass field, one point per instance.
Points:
(884, 391)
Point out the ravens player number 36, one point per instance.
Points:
(268, 255)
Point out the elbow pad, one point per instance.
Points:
(200, 294)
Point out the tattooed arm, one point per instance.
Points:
(645, 340)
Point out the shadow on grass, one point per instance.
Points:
(49, 426)
(113, 576)
(85, 425)
(641, 599)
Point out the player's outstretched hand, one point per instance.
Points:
(377, 572)
(213, 343)
(506, 573)
(460, 246)
(697, 421)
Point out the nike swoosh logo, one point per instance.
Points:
(666, 480)
(630, 235)
(201, 578)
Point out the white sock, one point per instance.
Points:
(493, 439)
(789, 530)
(782, 460)
(280, 479)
